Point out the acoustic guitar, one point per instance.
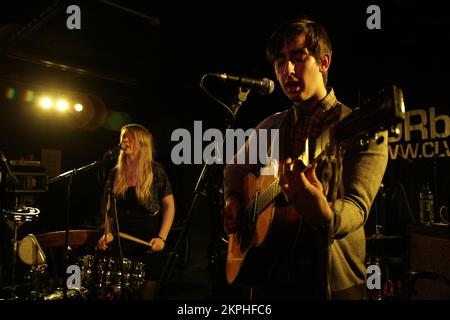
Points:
(250, 252)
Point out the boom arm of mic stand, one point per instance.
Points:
(72, 172)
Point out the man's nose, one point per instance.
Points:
(289, 68)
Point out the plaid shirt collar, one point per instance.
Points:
(319, 111)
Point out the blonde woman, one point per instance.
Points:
(144, 201)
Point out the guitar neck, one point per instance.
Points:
(314, 148)
(382, 111)
(268, 195)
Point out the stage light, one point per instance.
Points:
(46, 103)
(10, 93)
(62, 105)
(78, 107)
(29, 96)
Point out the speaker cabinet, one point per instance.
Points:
(429, 262)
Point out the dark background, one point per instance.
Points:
(149, 69)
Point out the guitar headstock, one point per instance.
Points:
(383, 111)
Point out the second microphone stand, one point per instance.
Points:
(69, 176)
(201, 188)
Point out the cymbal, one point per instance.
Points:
(385, 259)
(76, 238)
(380, 236)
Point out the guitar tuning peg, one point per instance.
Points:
(394, 132)
(379, 138)
(364, 142)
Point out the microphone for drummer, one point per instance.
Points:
(8, 169)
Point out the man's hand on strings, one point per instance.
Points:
(304, 192)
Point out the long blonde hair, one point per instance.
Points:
(144, 173)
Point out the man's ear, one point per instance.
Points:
(325, 63)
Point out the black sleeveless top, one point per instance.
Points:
(141, 220)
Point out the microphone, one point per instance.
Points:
(8, 169)
(264, 86)
(114, 152)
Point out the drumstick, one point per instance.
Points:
(134, 239)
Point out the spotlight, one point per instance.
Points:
(62, 105)
(46, 103)
(78, 107)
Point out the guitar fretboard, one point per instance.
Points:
(268, 195)
(314, 147)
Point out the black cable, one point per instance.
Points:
(407, 203)
(202, 86)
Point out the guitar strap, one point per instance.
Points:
(284, 153)
(283, 132)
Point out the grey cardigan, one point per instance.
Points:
(343, 242)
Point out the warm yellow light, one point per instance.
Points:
(62, 105)
(46, 103)
(78, 107)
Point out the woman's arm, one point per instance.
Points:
(168, 214)
(107, 237)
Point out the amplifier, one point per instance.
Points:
(31, 175)
(429, 262)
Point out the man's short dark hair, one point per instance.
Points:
(316, 38)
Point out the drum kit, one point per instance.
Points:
(386, 252)
(101, 277)
(97, 275)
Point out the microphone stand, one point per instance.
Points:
(119, 242)
(201, 189)
(14, 183)
(69, 175)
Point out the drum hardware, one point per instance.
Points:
(102, 277)
(18, 217)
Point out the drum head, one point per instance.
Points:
(30, 252)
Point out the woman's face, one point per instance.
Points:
(128, 140)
